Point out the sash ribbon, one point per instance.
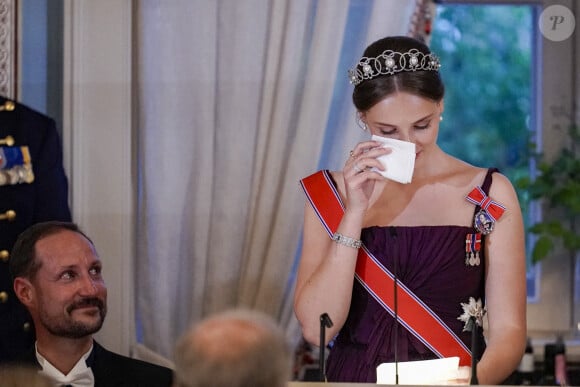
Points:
(412, 313)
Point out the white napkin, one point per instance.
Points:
(423, 372)
(400, 162)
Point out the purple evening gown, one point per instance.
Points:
(431, 263)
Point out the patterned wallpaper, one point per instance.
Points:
(8, 53)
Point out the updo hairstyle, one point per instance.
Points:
(424, 83)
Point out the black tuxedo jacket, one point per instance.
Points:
(113, 370)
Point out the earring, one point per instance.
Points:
(360, 123)
(441, 118)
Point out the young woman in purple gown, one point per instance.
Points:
(451, 242)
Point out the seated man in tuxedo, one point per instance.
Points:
(57, 275)
(237, 347)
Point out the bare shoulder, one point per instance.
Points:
(501, 181)
(502, 188)
(461, 174)
(464, 176)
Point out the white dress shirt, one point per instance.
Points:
(79, 376)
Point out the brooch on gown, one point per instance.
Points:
(490, 212)
(472, 311)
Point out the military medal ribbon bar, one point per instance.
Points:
(15, 165)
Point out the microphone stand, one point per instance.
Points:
(396, 327)
(474, 351)
(393, 232)
(325, 322)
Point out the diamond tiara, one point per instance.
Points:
(392, 62)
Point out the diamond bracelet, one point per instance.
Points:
(346, 241)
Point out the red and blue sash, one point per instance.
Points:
(412, 313)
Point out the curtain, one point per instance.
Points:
(233, 98)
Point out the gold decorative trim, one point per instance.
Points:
(8, 54)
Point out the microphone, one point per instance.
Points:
(474, 350)
(393, 232)
(325, 322)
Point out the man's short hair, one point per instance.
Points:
(23, 262)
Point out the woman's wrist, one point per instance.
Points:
(354, 214)
(346, 240)
(349, 230)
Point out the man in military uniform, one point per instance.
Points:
(33, 188)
